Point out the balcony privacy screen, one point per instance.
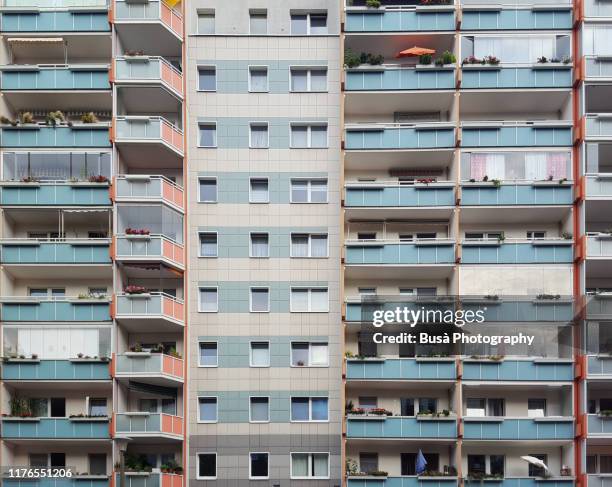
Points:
(55, 166)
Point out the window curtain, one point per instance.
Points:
(556, 165)
(496, 166)
(58, 343)
(478, 166)
(318, 354)
(319, 464)
(318, 299)
(318, 245)
(299, 244)
(259, 246)
(536, 166)
(259, 135)
(300, 465)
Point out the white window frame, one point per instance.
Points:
(259, 453)
(309, 364)
(309, 256)
(208, 366)
(201, 477)
(251, 299)
(206, 178)
(309, 420)
(291, 310)
(267, 256)
(309, 126)
(207, 66)
(202, 421)
(259, 124)
(215, 145)
(309, 70)
(210, 12)
(310, 459)
(309, 191)
(200, 310)
(251, 420)
(259, 12)
(260, 67)
(216, 256)
(309, 22)
(251, 192)
(267, 366)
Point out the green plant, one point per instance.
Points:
(351, 59)
(445, 412)
(567, 235)
(4, 120)
(378, 473)
(173, 353)
(485, 178)
(496, 182)
(446, 58)
(26, 117)
(351, 468)
(501, 238)
(89, 117)
(542, 60)
(425, 59)
(605, 412)
(55, 117)
(562, 181)
(373, 3)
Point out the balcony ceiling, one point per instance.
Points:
(147, 99)
(149, 156)
(373, 387)
(67, 385)
(511, 214)
(152, 38)
(81, 101)
(29, 218)
(149, 324)
(599, 267)
(385, 103)
(385, 160)
(52, 271)
(597, 211)
(517, 102)
(390, 44)
(413, 214)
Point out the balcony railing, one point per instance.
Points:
(517, 251)
(56, 428)
(508, 77)
(42, 136)
(30, 19)
(558, 17)
(516, 134)
(392, 252)
(58, 309)
(599, 245)
(148, 365)
(150, 305)
(504, 428)
(595, 66)
(597, 8)
(66, 370)
(547, 370)
(54, 194)
(53, 78)
(599, 365)
(599, 306)
(397, 78)
(146, 479)
(69, 251)
(400, 427)
(403, 481)
(148, 68)
(151, 424)
(401, 369)
(399, 136)
(524, 193)
(56, 4)
(599, 185)
(598, 125)
(148, 248)
(155, 10)
(527, 482)
(148, 130)
(148, 188)
(399, 19)
(80, 481)
(393, 194)
(599, 425)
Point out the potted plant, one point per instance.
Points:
(133, 289)
(98, 179)
(89, 117)
(425, 59)
(567, 235)
(137, 231)
(26, 117)
(54, 118)
(300, 363)
(492, 60)
(542, 60)
(496, 182)
(373, 3)
(351, 59)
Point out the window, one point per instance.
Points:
(207, 409)
(258, 466)
(260, 300)
(406, 406)
(534, 470)
(206, 22)
(258, 22)
(258, 190)
(208, 300)
(309, 24)
(313, 136)
(309, 300)
(309, 245)
(309, 409)
(366, 291)
(207, 78)
(309, 191)
(97, 463)
(208, 244)
(536, 408)
(208, 135)
(367, 403)
(55, 292)
(496, 464)
(258, 136)
(477, 465)
(97, 407)
(309, 354)
(536, 235)
(207, 466)
(368, 462)
(366, 235)
(259, 410)
(258, 79)
(310, 465)
(38, 460)
(208, 190)
(209, 355)
(260, 246)
(408, 463)
(97, 292)
(428, 404)
(260, 354)
(308, 79)
(483, 235)
(485, 407)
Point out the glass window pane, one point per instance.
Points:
(208, 190)
(318, 24)
(206, 23)
(259, 24)
(318, 300)
(207, 79)
(260, 409)
(299, 409)
(299, 25)
(299, 464)
(318, 245)
(208, 244)
(318, 191)
(259, 245)
(260, 354)
(299, 80)
(299, 191)
(208, 135)
(259, 465)
(208, 354)
(319, 409)
(260, 300)
(259, 191)
(319, 354)
(318, 80)
(259, 136)
(299, 354)
(258, 79)
(97, 407)
(208, 299)
(299, 136)
(207, 408)
(320, 464)
(207, 465)
(299, 300)
(299, 245)
(318, 136)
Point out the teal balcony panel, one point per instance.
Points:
(519, 78)
(55, 428)
(400, 253)
(56, 311)
(56, 370)
(517, 136)
(518, 253)
(55, 79)
(399, 79)
(357, 311)
(523, 311)
(518, 429)
(398, 137)
(517, 19)
(525, 482)
(150, 480)
(599, 365)
(519, 370)
(59, 21)
(40, 136)
(599, 125)
(399, 196)
(401, 427)
(399, 20)
(146, 423)
(86, 252)
(596, 480)
(56, 4)
(58, 482)
(401, 369)
(403, 481)
(599, 425)
(599, 185)
(598, 67)
(51, 194)
(516, 194)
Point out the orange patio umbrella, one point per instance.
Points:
(415, 51)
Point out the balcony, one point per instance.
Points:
(476, 77)
(527, 482)
(43, 136)
(149, 248)
(54, 78)
(513, 310)
(597, 68)
(393, 194)
(399, 136)
(56, 428)
(555, 17)
(599, 366)
(16, 252)
(516, 134)
(599, 307)
(394, 427)
(54, 194)
(146, 70)
(156, 368)
(599, 425)
(599, 246)
(523, 194)
(401, 369)
(402, 481)
(546, 370)
(141, 139)
(150, 479)
(548, 251)
(55, 370)
(503, 428)
(150, 312)
(81, 481)
(149, 425)
(597, 8)
(397, 78)
(599, 186)
(30, 309)
(598, 126)
(150, 189)
(400, 19)
(358, 310)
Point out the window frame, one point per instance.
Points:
(308, 126)
(310, 460)
(201, 477)
(207, 178)
(267, 256)
(258, 12)
(251, 289)
(200, 364)
(309, 420)
(309, 191)
(309, 288)
(260, 67)
(207, 66)
(251, 365)
(216, 288)
(308, 70)
(309, 364)
(251, 477)
(309, 256)
(216, 234)
(208, 124)
(208, 12)
(251, 420)
(308, 23)
(203, 421)
(267, 179)
(259, 124)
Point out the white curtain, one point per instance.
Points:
(515, 49)
(318, 80)
(320, 464)
(299, 136)
(496, 168)
(299, 465)
(260, 354)
(535, 166)
(318, 245)
(299, 299)
(58, 343)
(318, 300)
(259, 245)
(597, 40)
(318, 137)
(259, 136)
(299, 245)
(259, 191)
(208, 299)
(318, 354)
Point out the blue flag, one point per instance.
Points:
(421, 463)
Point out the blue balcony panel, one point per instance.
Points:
(357, 311)
(55, 79)
(508, 310)
(403, 481)
(400, 253)
(55, 21)
(401, 369)
(519, 78)
(519, 370)
(399, 79)
(518, 429)
(599, 365)
(58, 482)
(56, 311)
(50, 194)
(526, 482)
(409, 20)
(401, 427)
(599, 425)
(56, 253)
(516, 136)
(40, 136)
(399, 196)
(517, 19)
(517, 253)
(399, 137)
(55, 428)
(516, 194)
(56, 370)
